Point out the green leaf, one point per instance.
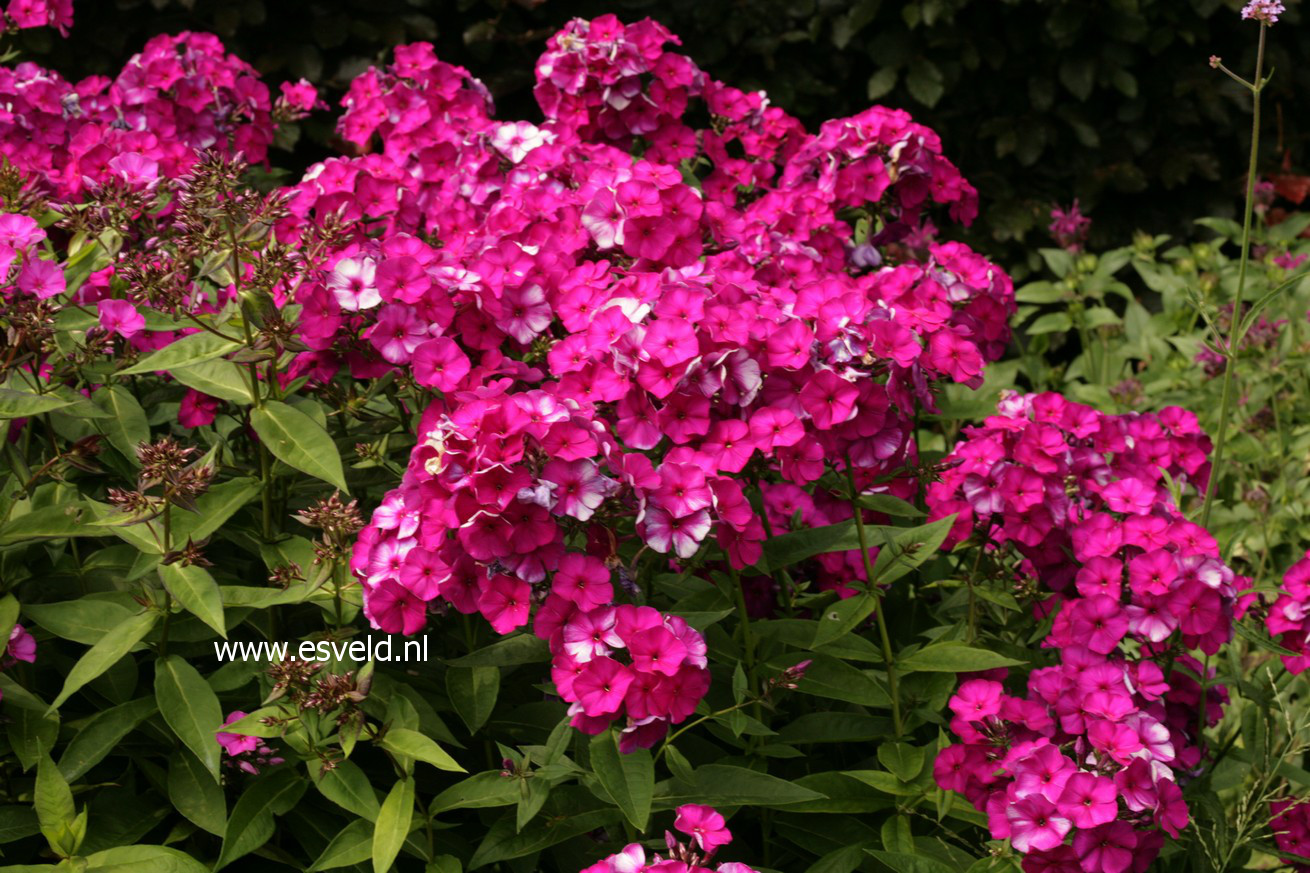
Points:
(890, 504)
(32, 732)
(392, 826)
(897, 835)
(348, 787)
(629, 779)
(835, 679)
(952, 657)
(473, 692)
(884, 782)
(64, 520)
(192, 349)
(143, 859)
(190, 708)
(83, 621)
(881, 83)
(251, 822)
(502, 842)
(8, 615)
(1039, 292)
(1051, 322)
(106, 652)
(195, 794)
(21, 404)
(214, 508)
(726, 785)
(902, 862)
(413, 744)
(792, 548)
(18, 822)
(925, 81)
(126, 425)
(222, 379)
(904, 549)
(904, 760)
(843, 617)
(296, 439)
(53, 800)
(101, 734)
(479, 791)
(1260, 640)
(197, 592)
(523, 648)
(353, 845)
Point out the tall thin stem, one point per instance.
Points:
(883, 636)
(1230, 349)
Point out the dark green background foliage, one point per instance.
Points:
(1111, 101)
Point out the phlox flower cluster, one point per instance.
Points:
(1081, 772)
(618, 350)
(25, 14)
(1291, 827)
(182, 93)
(1288, 620)
(708, 833)
(23, 270)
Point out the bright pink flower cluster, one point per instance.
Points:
(612, 343)
(24, 14)
(708, 833)
(180, 94)
(1291, 827)
(22, 269)
(1289, 617)
(1094, 750)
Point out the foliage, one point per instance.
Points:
(662, 412)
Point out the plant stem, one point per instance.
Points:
(884, 637)
(1230, 350)
(704, 718)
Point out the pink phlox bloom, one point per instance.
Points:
(1036, 824)
(704, 825)
(236, 744)
(353, 282)
(120, 317)
(591, 634)
(579, 488)
(601, 685)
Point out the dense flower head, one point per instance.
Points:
(616, 349)
(1288, 618)
(1085, 765)
(705, 827)
(182, 93)
(1263, 11)
(24, 14)
(1291, 828)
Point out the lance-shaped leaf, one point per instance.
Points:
(297, 440)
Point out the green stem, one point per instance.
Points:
(883, 636)
(704, 718)
(1230, 350)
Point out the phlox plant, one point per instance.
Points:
(670, 428)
